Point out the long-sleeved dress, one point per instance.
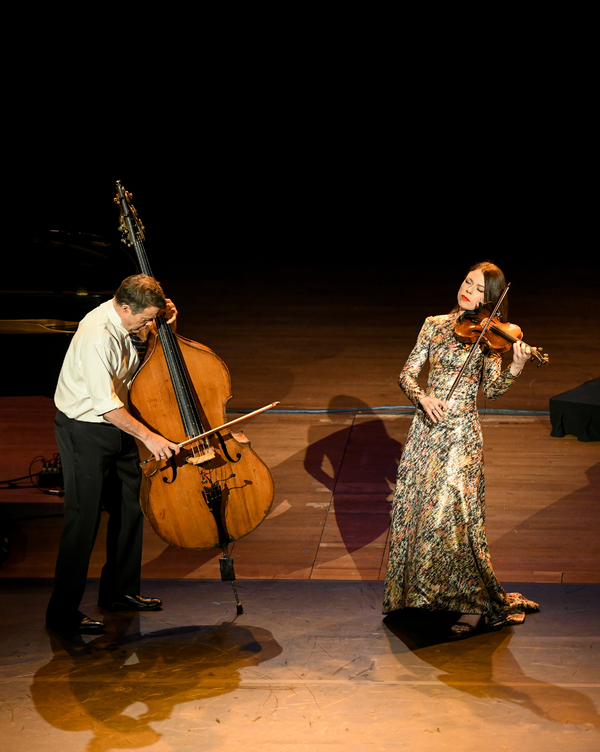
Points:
(439, 557)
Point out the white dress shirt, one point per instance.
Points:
(98, 368)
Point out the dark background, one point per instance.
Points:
(324, 211)
(378, 163)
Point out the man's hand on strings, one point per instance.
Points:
(170, 312)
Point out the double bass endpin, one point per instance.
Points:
(228, 575)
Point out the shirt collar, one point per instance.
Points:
(115, 318)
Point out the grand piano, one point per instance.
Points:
(51, 281)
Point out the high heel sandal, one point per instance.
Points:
(462, 629)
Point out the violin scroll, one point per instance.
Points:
(538, 354)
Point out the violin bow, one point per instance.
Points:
(472, 350)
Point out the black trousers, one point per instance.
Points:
(100, 466)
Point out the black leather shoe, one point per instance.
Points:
(89, 626)
(132, 603)
(85, 626)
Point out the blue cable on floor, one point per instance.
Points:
(409, 409)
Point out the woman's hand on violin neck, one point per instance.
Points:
(434, 408)
(521, 354)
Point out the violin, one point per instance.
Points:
(498, 335)
(489, 331)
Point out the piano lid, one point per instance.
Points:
(61, 275)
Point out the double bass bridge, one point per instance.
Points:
(200, 459)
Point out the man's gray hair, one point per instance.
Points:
(140, 292)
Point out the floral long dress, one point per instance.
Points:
(439, 557)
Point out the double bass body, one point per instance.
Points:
(200, 498)
(217, 489)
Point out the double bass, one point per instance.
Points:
(217, 489)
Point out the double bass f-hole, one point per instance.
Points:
(238, 456)
(173, 465)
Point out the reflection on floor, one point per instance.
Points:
(309, 665)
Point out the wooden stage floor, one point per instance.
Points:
(334, 477)
(311, 664)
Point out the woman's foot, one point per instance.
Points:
(466, 624)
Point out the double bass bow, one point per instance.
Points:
(217, 489)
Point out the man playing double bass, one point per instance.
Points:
(96, 436)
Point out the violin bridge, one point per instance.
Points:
(200, 459)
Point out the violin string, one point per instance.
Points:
(510, 338)
(502, 333)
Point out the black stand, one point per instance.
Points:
(577, 412)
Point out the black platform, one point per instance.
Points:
(577, 412)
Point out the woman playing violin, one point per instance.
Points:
(439, 557)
